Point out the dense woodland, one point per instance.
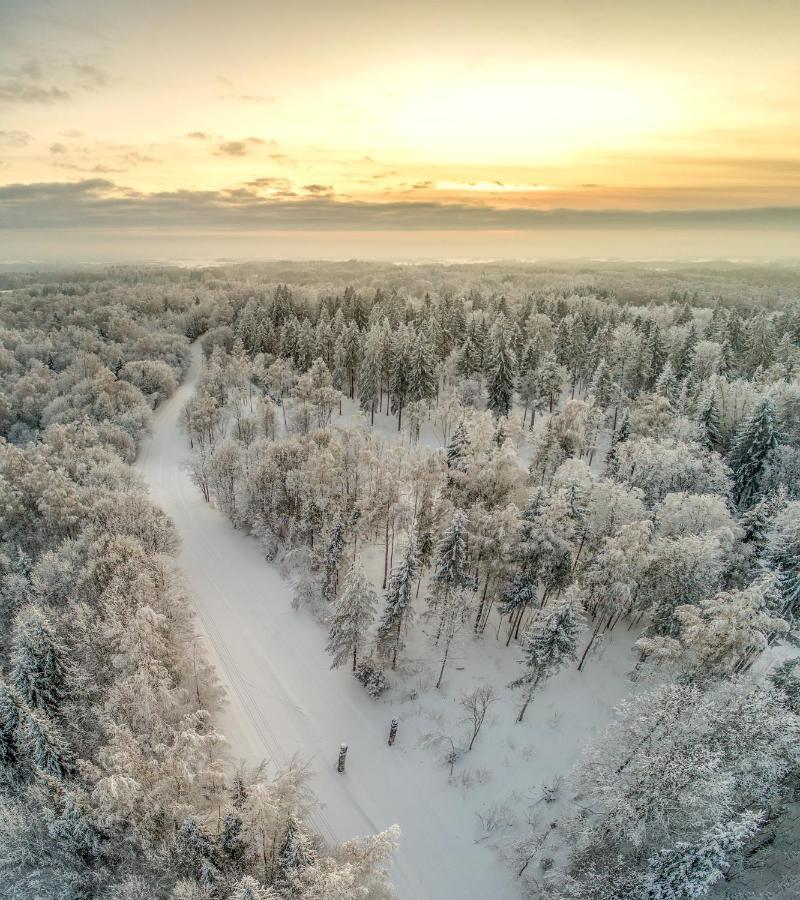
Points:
(114, 781)
(537, 459)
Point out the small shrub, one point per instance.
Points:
(371, 676)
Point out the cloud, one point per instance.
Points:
(318, 188)
(198, 135)
(18, 90)
(239, 148)
(90, 77)
(58, 147)
(14, 138)
(249, 98)
(99, 203)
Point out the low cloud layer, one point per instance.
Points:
(100, 203)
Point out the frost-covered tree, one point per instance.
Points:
(352, 617)
(398, 610)
(690, 869)
(549, 643)
(756, 439)
(40, 669)
(782, 555)
(500, 370)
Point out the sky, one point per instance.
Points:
(454, 129)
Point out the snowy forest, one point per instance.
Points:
(543, 522)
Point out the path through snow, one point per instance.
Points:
(284, 700)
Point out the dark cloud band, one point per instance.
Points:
(99, 203)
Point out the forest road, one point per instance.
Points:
(283, 699)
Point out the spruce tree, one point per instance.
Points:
(691, 869)
(9, 723)
(352, 617)
(39, 665)
(333, 559)
(782, 555)
(708, 419)
(500, 372)
(45, 746)
(398, 611)
(750, 453)
(550, 642)
(422, 370)
(369, 374)
(458, 448)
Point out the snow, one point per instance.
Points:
(284, 700)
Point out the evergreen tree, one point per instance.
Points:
(295, 853)
(517, 599)
(782, 554)
(600, 386)
(451, 571)
(231, 841)
(458, 449)
(691, 869)
(398, 611)
(76, 833)
(749, 455)
(352, 617)
(400, 372)
(550, 642)
(423, 380)
(333, 559)
(9, 723)
(45, 745)
(708, 419)
(500, 371)
(369, 374)
(551, 378)
(39, 665)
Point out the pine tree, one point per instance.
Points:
(600, 386)
(369, 374)
(333, 559)
(352, 617)
(708, 419)
(451, 572)
(398, 611)
(9, 722)
(231, 840)
(551, 378)
(400, 372)
(500, 371)
(749, 455)
(45, 746)
(617, 437)
(550, 642)
(517, 599)
(691, 869)
(39, 665)
(458, 449)
(295, 853)
(75, 832)
(422, 380)
(782, 555)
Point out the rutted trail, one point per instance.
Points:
(283, 698)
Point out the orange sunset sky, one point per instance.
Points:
(377, 129)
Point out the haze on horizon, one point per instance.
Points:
(457, 129)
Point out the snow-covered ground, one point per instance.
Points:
(284, 700)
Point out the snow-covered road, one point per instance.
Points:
(284, 700)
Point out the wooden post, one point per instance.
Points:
(342, 757)
(392, 732)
